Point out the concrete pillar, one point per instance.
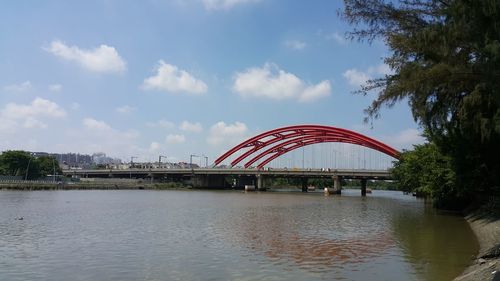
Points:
(363, 187)
(304, 184)
(337, 185)
(260, 182)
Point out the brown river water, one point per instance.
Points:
(228, 235)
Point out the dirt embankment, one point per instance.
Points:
(486, 225)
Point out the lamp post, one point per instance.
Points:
(54, 168)
(27, 169)
(131, 164)
(159, 159)
(206, 160)
(191, 160)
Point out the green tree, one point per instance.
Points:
(16, 162)
(445, 58)
(47, 165)
(427, 171)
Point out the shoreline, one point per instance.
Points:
(486, 265)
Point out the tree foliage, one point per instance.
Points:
(22, 163)
(426, 171)
(445, 57)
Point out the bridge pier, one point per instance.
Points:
(363, 187)
(208, 181)
(337, 185)
(304, 184)
(260, 183)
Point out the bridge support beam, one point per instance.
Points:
(260, 183)
(304, 184)
(337, 185)
(363, 187)
(208, 181)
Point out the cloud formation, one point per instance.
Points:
(93, 124)
(175, 139)
(404, 139)
(225, 4)
(38, 107)
(18, 88)
(272, 82)
(29, 115)
(357, 78)
(162, 123)
(103, 59)
(222, 133)
(170, 78)
(55, 87)
(295, 44)
(191, 127)
(125, 109)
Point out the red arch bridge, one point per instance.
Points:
(254, 154)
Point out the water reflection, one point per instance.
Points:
(438, 246)
(320, 239)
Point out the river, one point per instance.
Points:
(228, 235)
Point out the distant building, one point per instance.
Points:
(100, 158)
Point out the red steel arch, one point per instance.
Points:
(274, 143)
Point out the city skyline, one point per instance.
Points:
(182, 77)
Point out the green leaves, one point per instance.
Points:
(426, 171)
(446, 61)
(22, 163)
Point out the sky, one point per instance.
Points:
(175, 78)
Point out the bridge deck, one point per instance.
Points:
(345, 173)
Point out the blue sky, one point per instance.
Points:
(175, 77)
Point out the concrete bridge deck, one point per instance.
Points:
(312, 173)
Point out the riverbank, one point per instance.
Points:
(486, 225)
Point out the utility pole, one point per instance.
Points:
(131, 164)
(159, 158)
(206, 160)
(27, 169)
(191, 160)
(54, 167)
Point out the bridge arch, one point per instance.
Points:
(270, 145)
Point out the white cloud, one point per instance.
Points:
(125, 109)
(274, 83)
(225, 4)
(162, 123)
(335, 36)
(172, 79)
(95, 136)
(55, 87)
(220, 133)
(32, 123)
(93, 124)
(357, 78)
(381, 69)
(175, 139)
(14, 116)
(191, 127)
(18, 88)
(404, 139)
(38, 108)
(295, 44)
(103, 59)
(154, 146)
(315, 92)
